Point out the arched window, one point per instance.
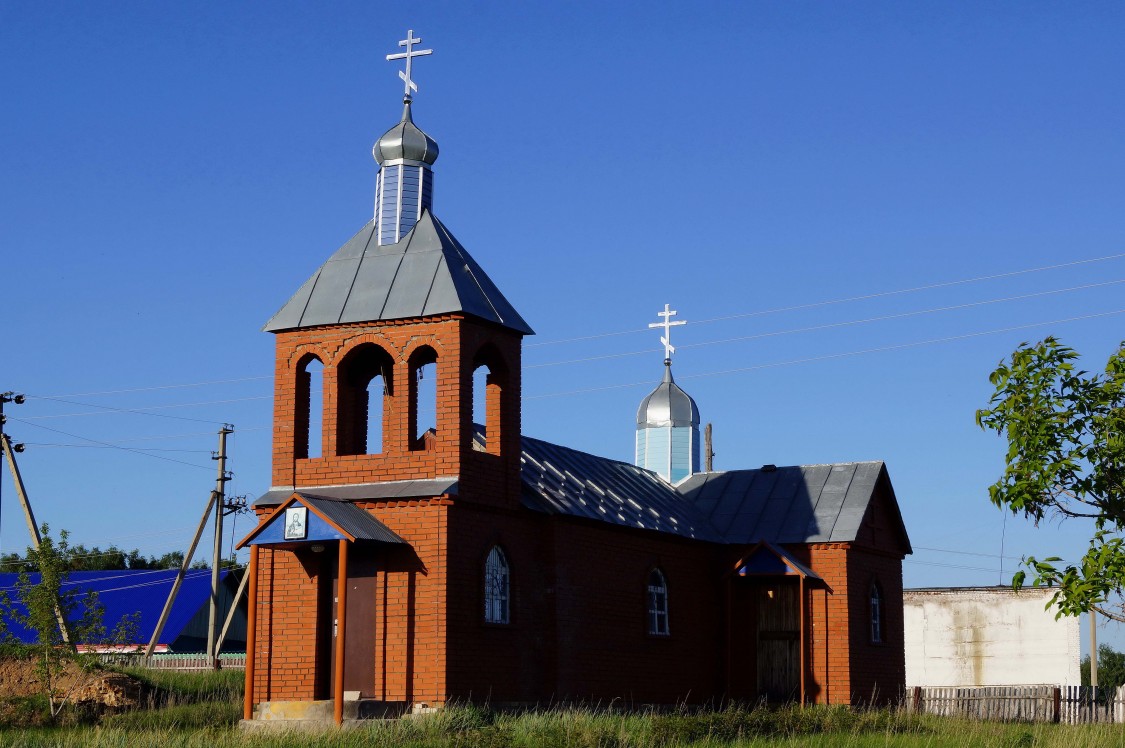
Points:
(423, 398)
(657, 603)
(496, 586)
(364, 386)
(309, 411)
(877, 612)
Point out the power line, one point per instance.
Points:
(831, 325)
(149, 389)
(830, 356)
(113, 446)
(107, 446)
(145, 411)
(830, 302)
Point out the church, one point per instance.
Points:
(396, 566)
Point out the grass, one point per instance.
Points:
(201, 711)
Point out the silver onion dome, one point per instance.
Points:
(405, 141)
(668, 405)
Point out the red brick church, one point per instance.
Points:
(396, 565)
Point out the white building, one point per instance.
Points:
(988, 636)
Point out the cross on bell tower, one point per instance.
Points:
(410, 53)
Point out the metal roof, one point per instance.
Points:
(559, 480)
(405, 141)
(668, 405)
(427, 273)
(128, 592)
(800, 504)
(365, 491)
(351, 519)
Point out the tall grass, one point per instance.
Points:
(477, 727)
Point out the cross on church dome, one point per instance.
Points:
(410, 53)
(667, 324)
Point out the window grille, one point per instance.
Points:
(657, 603)
(496, 583)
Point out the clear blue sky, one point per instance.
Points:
(171, 173)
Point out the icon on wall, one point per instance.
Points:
(296, 523)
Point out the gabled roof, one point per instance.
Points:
(427, 273)
(798, 504)
(124, 593)
(331, 519)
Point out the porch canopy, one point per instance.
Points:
(307, 518)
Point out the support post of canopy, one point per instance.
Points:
(251, 634)
(801, 613)
(341, 619)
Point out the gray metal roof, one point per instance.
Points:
(351, 519)
(427, 273)
(668, 405)
(405, 141)
(560, 480)
(801, 504)
(395, 489)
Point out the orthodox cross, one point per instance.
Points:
(409, 55)
(667, 324)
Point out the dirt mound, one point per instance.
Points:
(18, 678)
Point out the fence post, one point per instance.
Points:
(917, 699)
(1056, 711)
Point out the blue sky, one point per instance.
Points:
(172, 173)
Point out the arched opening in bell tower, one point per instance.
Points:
(308, 411)
(365, 387)
(490, 378)
(422, 420)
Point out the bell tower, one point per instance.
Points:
(400, 312)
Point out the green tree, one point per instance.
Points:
(47, 606)
(1111, 668)
(1065, 430)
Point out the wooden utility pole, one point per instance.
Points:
(10, 450)
(1093, 647)
(217, 552)
(708, 452)
(179, 580)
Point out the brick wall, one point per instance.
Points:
(459, 345)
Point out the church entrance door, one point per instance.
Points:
(779, 640)
(359, 632)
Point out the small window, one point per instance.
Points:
(496, 580)
(876, 613)
(657, 603)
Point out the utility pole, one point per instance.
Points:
(217, 552)
(10, 451)
(1093, 647)
(708, 452)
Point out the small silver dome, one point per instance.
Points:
(668, 405)
(405, 141)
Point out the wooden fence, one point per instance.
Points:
(1066, 704)
(182, 662)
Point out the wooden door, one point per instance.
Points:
(778, 641)
(359, 634)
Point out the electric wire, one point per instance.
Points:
(830, 302)
(149, 389)
(113, 446)
(832, 325)
(831, 356)
(146, 411)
